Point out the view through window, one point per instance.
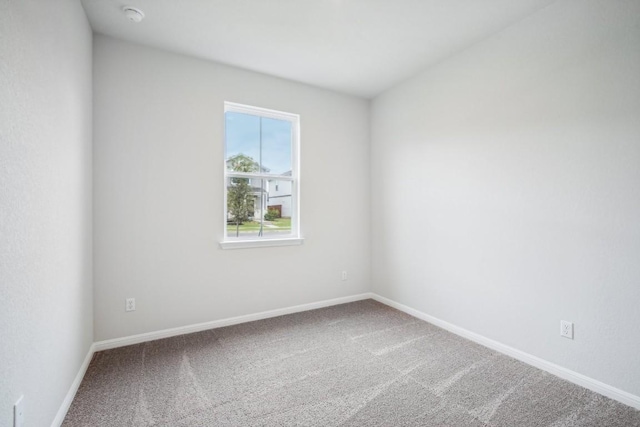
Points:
(261, 185)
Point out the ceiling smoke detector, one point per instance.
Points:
(133, 14)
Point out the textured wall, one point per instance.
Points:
(159, 203)
(45, 203)
(506, 185)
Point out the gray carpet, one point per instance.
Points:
(358, 364)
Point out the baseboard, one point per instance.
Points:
(564, 373)
(166, 333)
(66, 403)
(567, 374)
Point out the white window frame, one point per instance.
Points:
(294, 238)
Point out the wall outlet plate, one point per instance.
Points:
(566, 329)
(344, 276)
(130, 304)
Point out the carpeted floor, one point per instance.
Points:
(358, 364)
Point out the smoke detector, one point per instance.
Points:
(133, 14)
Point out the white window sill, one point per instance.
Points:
(263, 243)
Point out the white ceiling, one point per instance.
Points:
(359, 47)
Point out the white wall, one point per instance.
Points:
(159, 203)
(506, 188)
(46, 320)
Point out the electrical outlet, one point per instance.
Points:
(566, 329)
(18, 413)
(344, 275)
(130, 304)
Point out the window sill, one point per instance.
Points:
(263, 243)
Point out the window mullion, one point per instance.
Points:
(261, 186)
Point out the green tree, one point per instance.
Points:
(239, 198)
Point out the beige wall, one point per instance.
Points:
(506, 185)
(159, 202)
(46, 319)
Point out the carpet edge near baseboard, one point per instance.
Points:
(73, 389)
(557, 370)
(198, 327)
(188, 329)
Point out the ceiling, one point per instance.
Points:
(359, 47)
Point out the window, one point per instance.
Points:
(261, 177)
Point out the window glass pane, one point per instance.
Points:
(258, 207)
(246, 205)
(242, 134)
(278, 208)
(276, 146)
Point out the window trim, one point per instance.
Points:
(293, 238)
(266, 242)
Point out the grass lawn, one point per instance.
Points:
(277, 224)
(281, 223)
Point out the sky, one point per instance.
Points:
(243, 135)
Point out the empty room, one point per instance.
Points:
(320, 213)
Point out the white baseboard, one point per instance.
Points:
(166, 333)
(574, 377)
(66, 403)
(564, 373)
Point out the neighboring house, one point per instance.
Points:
(275, 195)
(255, 193)
(279, 196)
